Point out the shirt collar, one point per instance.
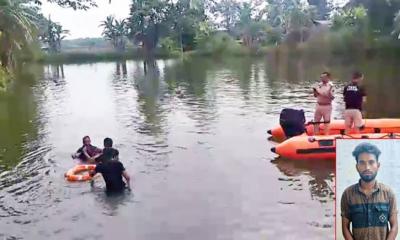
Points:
(376, 187)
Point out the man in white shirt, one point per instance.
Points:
(324, 94)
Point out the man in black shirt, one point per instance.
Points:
(111, 169)
(109, 153)
(354, 96)
(112, 172)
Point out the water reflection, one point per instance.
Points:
(121, 65)
(190, 131)
(18, 116)
(321, 175)
(54, 72)
(150, 91)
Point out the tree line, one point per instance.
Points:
(182, 25)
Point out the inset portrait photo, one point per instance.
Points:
(367, 189)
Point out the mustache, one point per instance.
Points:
(367, 172)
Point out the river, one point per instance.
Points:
(193, 135)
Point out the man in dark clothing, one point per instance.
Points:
(88, 152)
(112, 172)
(109, 153)
(354, 96)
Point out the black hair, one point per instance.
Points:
(83, 139)
(357, 74)
(366, 148)
(328, 74)
(108, 142)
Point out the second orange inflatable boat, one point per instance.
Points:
(305, 147)
(383, 125)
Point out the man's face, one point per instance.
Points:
(367, 166)
(86, 141)
(324, 77)
(357, 80)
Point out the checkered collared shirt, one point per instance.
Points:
(369, 215)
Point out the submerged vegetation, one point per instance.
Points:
(162, 28)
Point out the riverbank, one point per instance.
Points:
(85, 55)
(308, 50)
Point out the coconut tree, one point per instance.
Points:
(17, 28)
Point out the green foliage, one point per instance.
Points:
(148, 21)
(219, 44)
(53, 35)
(116, 32)
(228, 11)
(380, 14)
(274, 35)
(353, 18)
(17, 28)
(74, 4)
(169, 46)
(203, 31)
(84, 43)
(323, 8)
(4, 79)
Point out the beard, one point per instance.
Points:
(368, 178)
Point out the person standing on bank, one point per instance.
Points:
(324, 94)
(354, 96)
(369, 206)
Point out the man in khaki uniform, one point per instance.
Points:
(324, 94)
(369, 206)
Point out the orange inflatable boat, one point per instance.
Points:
(73, 173)
(305, 147)
(383, 125)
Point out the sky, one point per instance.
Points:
(86, 23)
(83, 24)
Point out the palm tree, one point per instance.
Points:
(115, 31)
(17, 28)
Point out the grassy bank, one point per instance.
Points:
(96, 55)
(86, 56)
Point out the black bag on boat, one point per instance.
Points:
(292, 122)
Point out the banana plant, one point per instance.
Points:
(17, 27)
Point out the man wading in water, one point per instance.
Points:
(112, 170)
